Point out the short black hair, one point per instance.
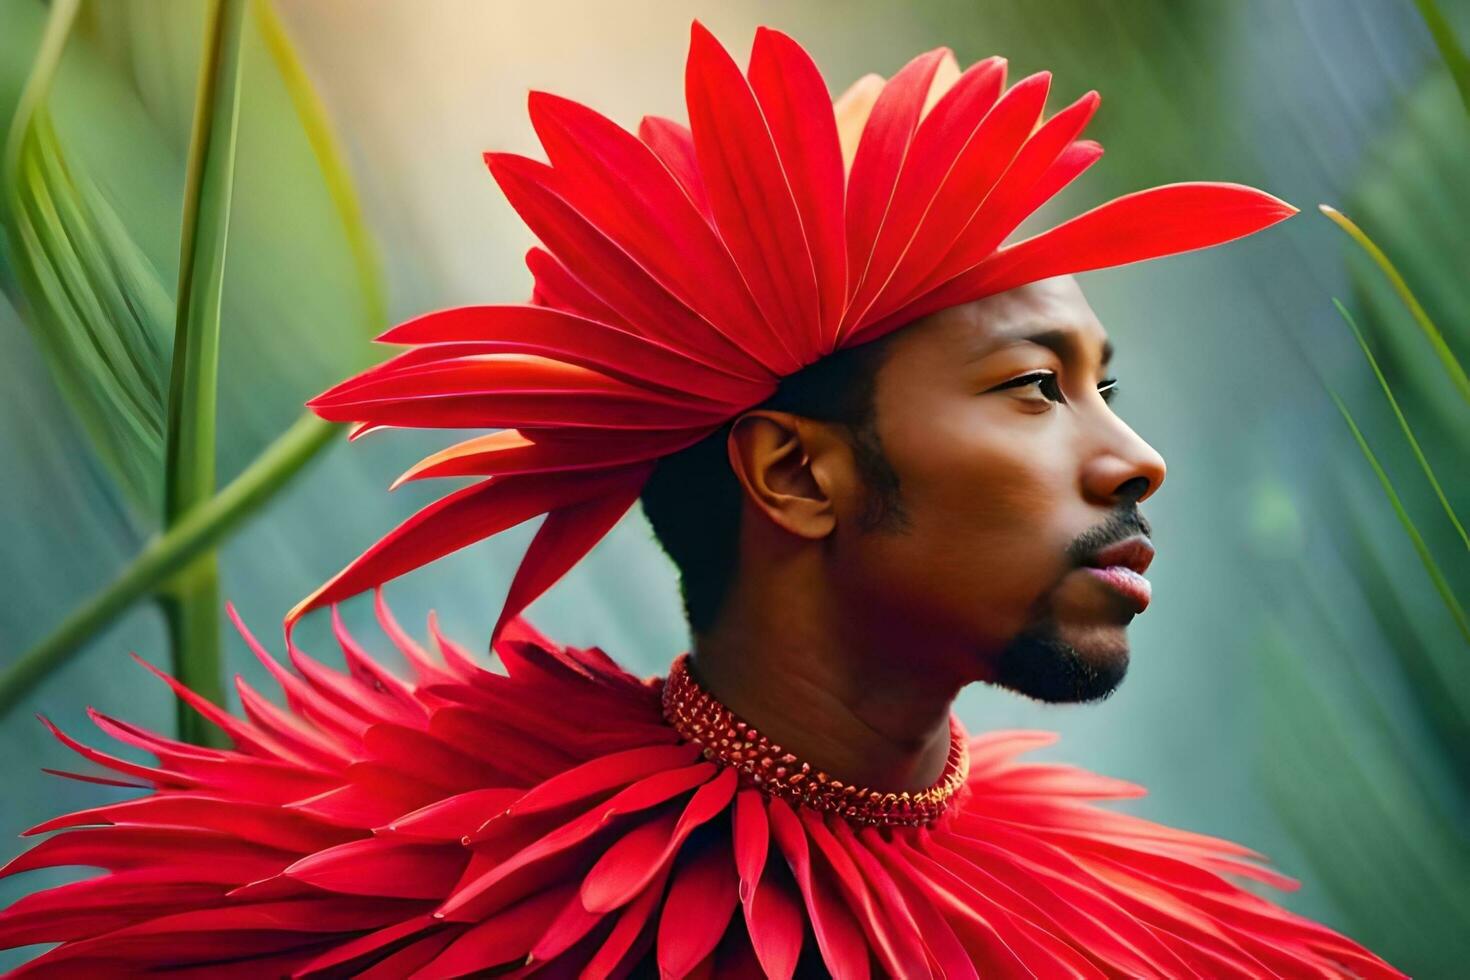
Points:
(693, 499)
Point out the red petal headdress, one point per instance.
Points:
(684, 271)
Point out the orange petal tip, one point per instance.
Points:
(301, 608)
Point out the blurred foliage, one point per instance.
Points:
(95, 200)
(303, 293)
(1413, 200)
(1375, 776)
(1456, 59)
(97, 307)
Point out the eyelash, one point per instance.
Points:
(1107, 387)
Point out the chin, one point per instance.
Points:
(1061, 666)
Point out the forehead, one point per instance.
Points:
(1054, 307)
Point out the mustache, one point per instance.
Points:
(1122, 523)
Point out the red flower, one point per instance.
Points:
(550, 817)
(685, 270)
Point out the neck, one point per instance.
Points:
(858, 709)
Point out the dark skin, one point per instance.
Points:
(848, 643)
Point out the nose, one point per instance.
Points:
(1123, 469)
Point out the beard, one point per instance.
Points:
(1039, 664)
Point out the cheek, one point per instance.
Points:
(993, 473)
(989, 501)
(985, 502)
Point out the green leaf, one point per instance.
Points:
(1413, 198)
(1431, 566)
(1449, 49)
(1350, 792)
(304, 293)
(1436, 339)
(208, 195)
(1437, 675)
(306, 289)
(1403, 423)
(93, 303)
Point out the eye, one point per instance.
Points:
(1045, 382)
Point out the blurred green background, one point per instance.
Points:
(1299, 684)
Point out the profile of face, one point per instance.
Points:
(1012, 550)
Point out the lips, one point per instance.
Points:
(1135, 553)
(1120, 567)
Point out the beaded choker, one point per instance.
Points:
(726, 739)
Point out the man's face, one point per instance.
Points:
(1014, 478)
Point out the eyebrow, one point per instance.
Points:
(1066, 344)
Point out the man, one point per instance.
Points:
(877, 444)
(969, 515)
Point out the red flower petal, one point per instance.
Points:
(1145, 225)
(555, 286)
(673, 144)
(943, 135)
(980, 164)
(457, 520)
(839, 937)
(798, 112)
(628, 866)
(616, 182)
(701, 898)
(749, 195)
(466, 832)
(564, 537)
(880, 156)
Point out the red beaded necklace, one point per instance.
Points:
(726, 739)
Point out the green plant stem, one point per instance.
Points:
(1449, 49)
(191, 601)
(167, 554)
(1404, 423)
(1441, 584)
(1436, 339)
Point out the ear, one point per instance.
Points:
(789, 467)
